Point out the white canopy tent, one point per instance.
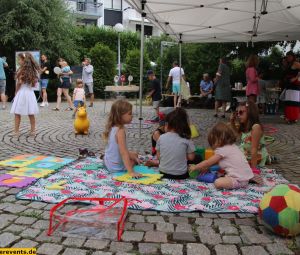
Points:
(211, 21)
(224, 20)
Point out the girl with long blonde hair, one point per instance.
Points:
(25, 102)
(117, 157)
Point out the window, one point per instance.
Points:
(113, 4)
(108, 4)
(147, 29)
(86, 22)
(81, 5)
(117, 4)
(112, 17)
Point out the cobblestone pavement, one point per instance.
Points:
(23, 223)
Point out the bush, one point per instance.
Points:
(90, 35)
(133, 67)
(104, 62)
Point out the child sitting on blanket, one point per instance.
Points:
(155, 136)
(228, 156)
(175, 147)
(117, 157)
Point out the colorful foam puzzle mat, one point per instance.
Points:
(30, 167)
(31, 172)
(15, 181)
(149, 176)
(51, 162)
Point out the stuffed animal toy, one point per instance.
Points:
(81, 123)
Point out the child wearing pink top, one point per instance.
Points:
(78, 96)
(229, 157)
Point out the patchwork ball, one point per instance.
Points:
(279, 210)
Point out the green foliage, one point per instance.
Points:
(37, 25)
(153, 44)
(133, 66)
(270, 65)
(90, 35)
(238, 70)
(104, 62)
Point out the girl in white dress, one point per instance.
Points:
(25, 102)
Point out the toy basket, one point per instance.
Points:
(104, 218)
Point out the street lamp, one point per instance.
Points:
(119, 28)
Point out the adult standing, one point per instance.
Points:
(44, 78)
(292, 93)
(155, 93)
(222, 87)
(252, 88)
(3, 82)
(87, 78)
(64, 85)
(176, 73)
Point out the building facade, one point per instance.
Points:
(108, 13)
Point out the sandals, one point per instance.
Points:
(69, 109)
(83, 153)
(55, 109)
(31, 134)
(14, 135)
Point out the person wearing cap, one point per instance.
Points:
(176, 73)
(155, 93)
(87, 78)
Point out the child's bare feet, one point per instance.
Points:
(257, 179)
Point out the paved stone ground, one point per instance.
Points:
(23, 223)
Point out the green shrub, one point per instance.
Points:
(133, 67)
(104, 62)
(90, 35)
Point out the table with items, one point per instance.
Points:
(120, 89)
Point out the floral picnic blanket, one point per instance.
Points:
(88, 178)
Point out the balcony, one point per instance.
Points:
(86, 9)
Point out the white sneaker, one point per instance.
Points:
(42, 104)
(46, 104)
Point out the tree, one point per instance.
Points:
(37, 25)
(90, 35)
(104, 62)
(133, 66)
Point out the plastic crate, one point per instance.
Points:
(103, 218)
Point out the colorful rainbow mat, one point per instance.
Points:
(28, 168)
(88, 178)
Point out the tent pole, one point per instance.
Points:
(161, 54)
(180, 81)
(141, 69)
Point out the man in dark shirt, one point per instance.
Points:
(45, 70)
(155, 92)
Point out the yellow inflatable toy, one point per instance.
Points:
(81, 123)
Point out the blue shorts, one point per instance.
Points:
(78, 103)
(44, 83)
(176, 88)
